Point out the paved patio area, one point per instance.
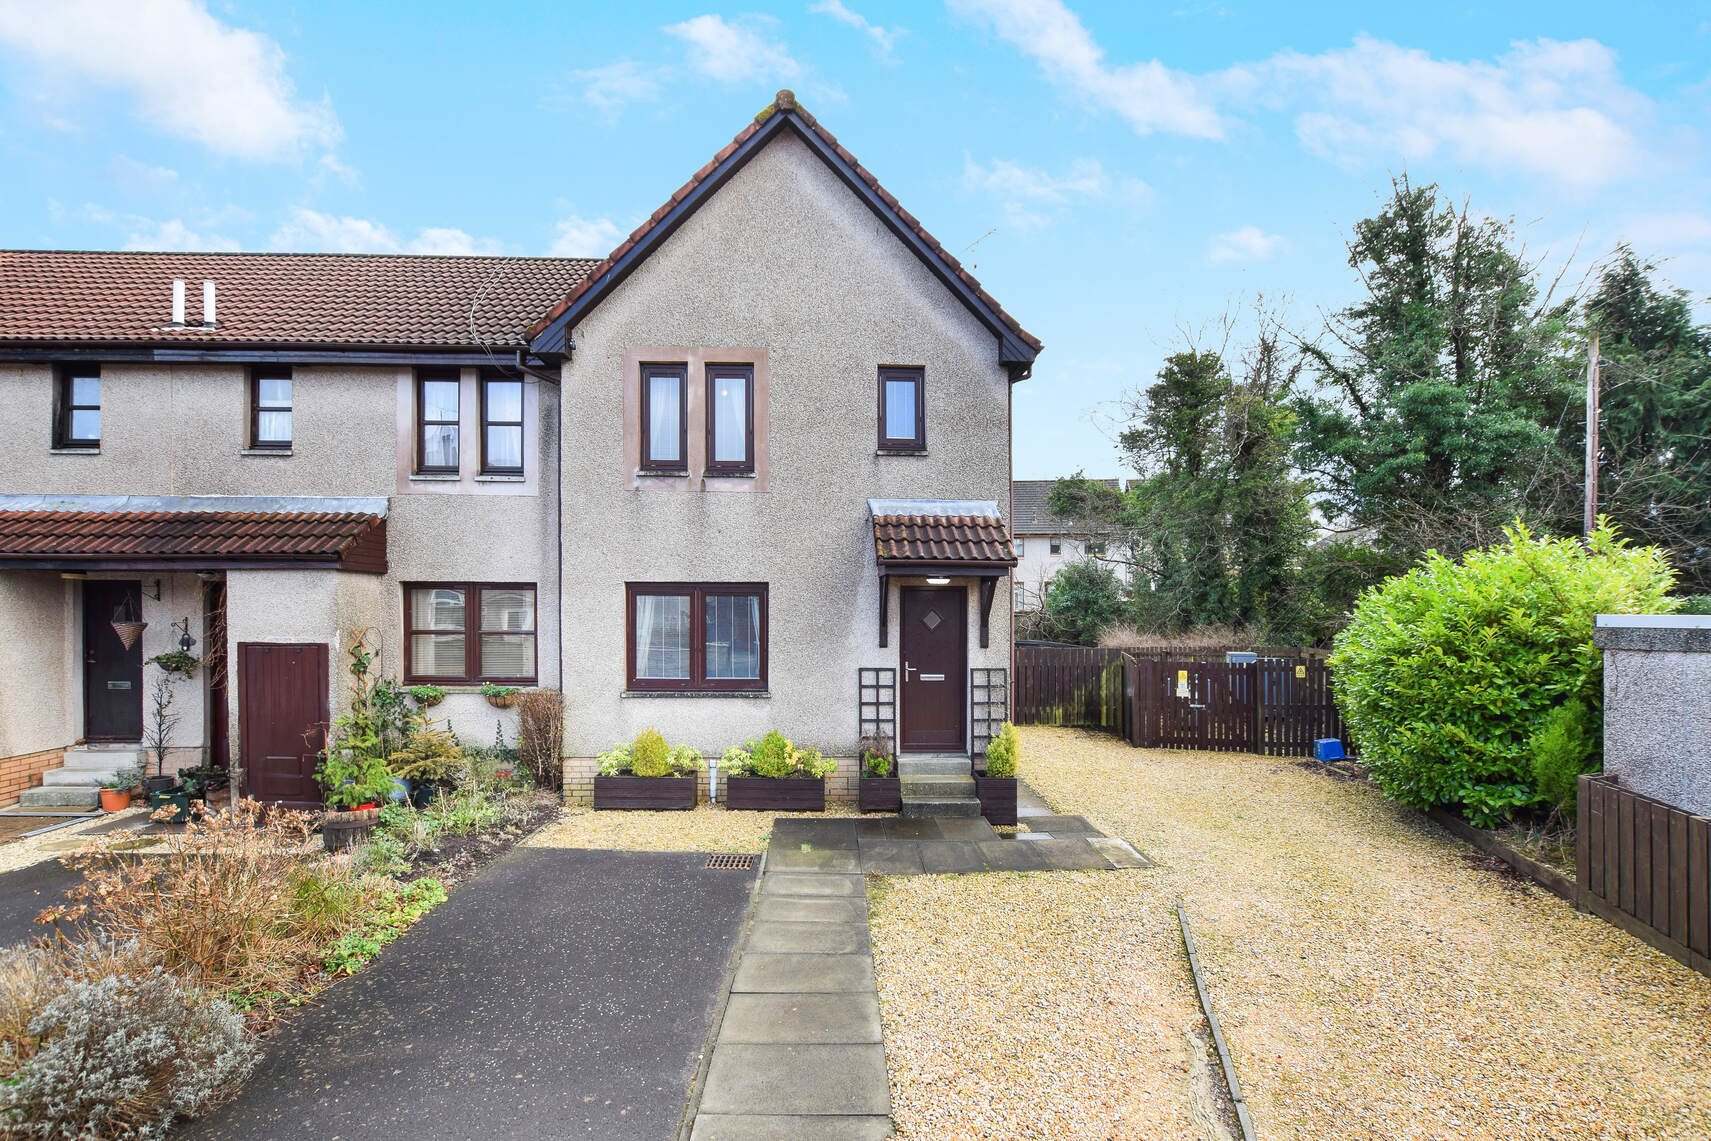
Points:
(893, 846)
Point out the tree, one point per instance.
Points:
(1439, 392)
(1083, 601)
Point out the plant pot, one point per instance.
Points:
(767, 794)
(115, 799)
(997, 798)
(880, 794)
(430, 702)
(158, 784)
(656, 793)
(504, 702)
(172, 797)
(340, 828)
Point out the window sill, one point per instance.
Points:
(436, 476)
(900, 452)
(500, 477)
(466, 688)
(696, 693)
(728, 475)
(646, 473)
(264, 452)
(74, 451)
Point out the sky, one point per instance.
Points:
(1120, 176)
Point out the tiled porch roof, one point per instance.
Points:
(193, 539)
(923, 537)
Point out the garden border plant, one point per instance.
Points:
(774, 774)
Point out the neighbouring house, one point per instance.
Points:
(751, 470)
(1045, 542)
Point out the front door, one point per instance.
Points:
(282, 718)
(935, 663)
(112, 675)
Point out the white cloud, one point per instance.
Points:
(735, 52)
(1151, 96)
(175, 235)
(139, 177)
(1030, 194)
(884, 39)
(310, 231)
(1248, 244)
(584, 237)
(189, 74)
(613, 87)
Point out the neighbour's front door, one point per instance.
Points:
(112, 675)
(282, 718)
(935, 663)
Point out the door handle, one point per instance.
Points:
(907, 670)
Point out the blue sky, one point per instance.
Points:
(1119, 174)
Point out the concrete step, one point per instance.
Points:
(941, 806)
(930, 787)
(103, 756)
(932, 766)
(86, 778)
(60, 796)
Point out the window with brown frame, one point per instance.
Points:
(665, 417)
(437, 420)
(1096, 547)
(270, 406)
(1057, 546)
(902, 410)
(730, 419)
(469, 632)
(696, 636)
(501, 425)
(77, 419)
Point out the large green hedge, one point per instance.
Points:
(1444, 673)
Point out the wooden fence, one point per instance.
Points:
(1277, 706)
(1645, 866)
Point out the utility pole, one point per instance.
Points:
(1591, 520)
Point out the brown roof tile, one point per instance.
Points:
(97, 535)
(71, 296)
(938, 539)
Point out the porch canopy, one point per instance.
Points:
(191, 533)
(940, 537)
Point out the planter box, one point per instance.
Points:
(764, 794)
(645, 792)
(340, 829)
(880, 794)
(997, 798)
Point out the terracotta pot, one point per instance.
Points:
(115, 799)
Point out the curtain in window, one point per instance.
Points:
(900, 409)
(730, 419)
(504, 443)
(507, 654)
(665, 422)
(733, 636)
(273, 411)
(662, 636)
(439, 441)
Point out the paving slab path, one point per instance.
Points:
(559, 994)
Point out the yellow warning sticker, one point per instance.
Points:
(1300, 671)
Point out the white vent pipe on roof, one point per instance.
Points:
(178, 303)
(207, 304)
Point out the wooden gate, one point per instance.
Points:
(282, 718)
(1195, 705)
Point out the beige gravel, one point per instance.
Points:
(705, 828)
(1375, 979)
(22, 853)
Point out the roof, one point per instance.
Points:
(1030, 515)
(359, 300)
(548, 333)
(348, 540)
(925, 533)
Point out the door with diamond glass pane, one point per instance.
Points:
(935, 667)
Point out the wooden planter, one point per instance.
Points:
(657, 793)
(342, 829)
(997, 798)
(765, 794)
(880, 794)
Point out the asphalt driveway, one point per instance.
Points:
(561, 994)
(25, 892)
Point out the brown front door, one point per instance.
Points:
(282, 718)
(112, 675)
(935, 664)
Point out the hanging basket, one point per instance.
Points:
(129, 632)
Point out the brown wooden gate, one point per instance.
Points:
(282, 718)
(1195, 705)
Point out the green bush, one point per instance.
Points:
(430, 755)
(1562, 749)
(1003, 751)
(650, 756)
(772, 756)
(1445, 673)
(1084, 599)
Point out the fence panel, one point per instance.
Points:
(1648, 861)
(1071, 685)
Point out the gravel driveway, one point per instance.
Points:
(1373, 977)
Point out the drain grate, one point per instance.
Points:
(731, 862)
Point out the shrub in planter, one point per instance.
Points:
(997, 786)
(427, 696)
(879, 788)
(774, 774)
(429, 756)
(648, 773)
(1444, 674)
(500, 696)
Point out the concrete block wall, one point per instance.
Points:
(1657, 705)
(25, 771)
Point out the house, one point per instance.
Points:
(1045, 542)
(751, 470)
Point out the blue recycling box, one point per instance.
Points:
(1327, 749)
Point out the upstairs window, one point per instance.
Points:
(902, 410)
(1021, 547)
(1057, 546)
(730, 419)
(270, 407)
(470, 632)
(437, 397)
(665, 418)
(501, 426)
(1096, 548)
(697, 636)
(78, 423)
